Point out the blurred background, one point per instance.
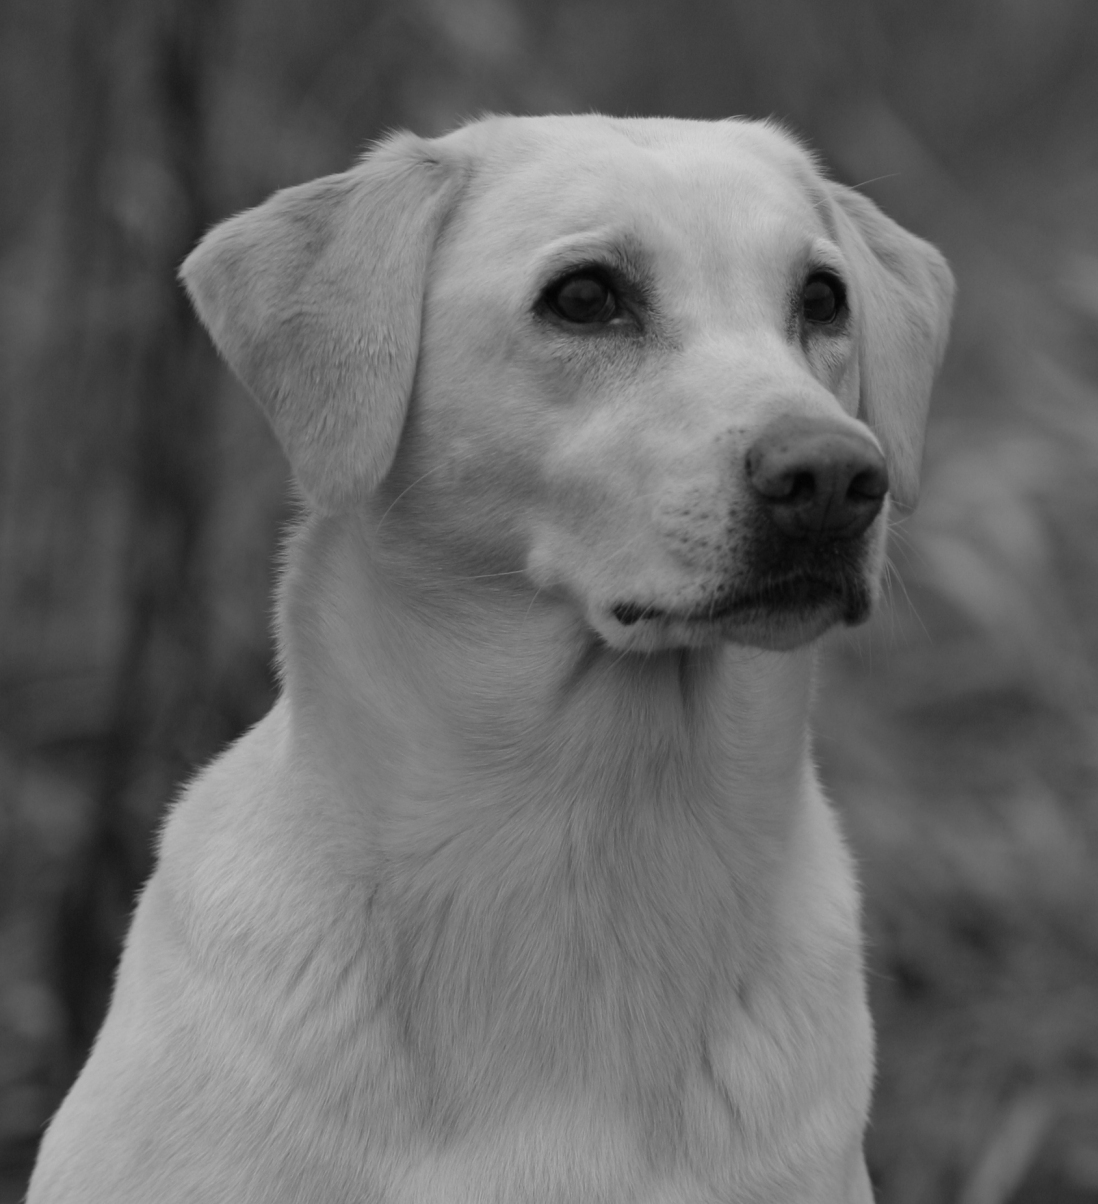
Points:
(141, 495)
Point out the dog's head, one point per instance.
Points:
(664, 369)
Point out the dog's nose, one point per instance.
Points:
(816, 478)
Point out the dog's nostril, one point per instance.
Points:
(802, 486)
(868, 485)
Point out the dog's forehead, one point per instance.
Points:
(537, 180)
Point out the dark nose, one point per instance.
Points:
(816, 478)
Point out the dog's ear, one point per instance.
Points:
(903, 297)
(315, 299)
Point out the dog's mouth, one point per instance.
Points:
(774, 601)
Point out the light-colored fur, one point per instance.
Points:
(508, 901)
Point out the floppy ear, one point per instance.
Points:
(903, 297)
(315, 298)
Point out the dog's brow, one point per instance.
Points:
(823, 253)
(623, 251)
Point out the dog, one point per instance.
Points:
(526, 891)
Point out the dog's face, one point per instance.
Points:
(664, 369)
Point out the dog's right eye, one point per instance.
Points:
(823, 299)
(584, 298)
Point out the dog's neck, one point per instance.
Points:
(460, 696)
(551, 823)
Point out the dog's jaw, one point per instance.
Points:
(786, 602)
(812, 609)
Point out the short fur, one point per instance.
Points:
(510, 898)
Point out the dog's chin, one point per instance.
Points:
(777, 616)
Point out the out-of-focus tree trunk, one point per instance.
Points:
(136, 206)
(107, 480)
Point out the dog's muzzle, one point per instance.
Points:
(816, 487)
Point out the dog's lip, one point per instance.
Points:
(796, 593)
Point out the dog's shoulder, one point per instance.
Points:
(186, 1062)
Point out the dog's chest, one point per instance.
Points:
(759, 1117)
(657, 1038)
(753, 1097)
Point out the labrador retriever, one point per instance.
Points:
(526, 891)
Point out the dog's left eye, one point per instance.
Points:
(823, 299)
(584, 298)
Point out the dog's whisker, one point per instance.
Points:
(403, 493)
(890, 175)
(898, 577)
(529, 609)
(489, 576)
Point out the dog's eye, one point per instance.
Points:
(823, 299)
(584, 298)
